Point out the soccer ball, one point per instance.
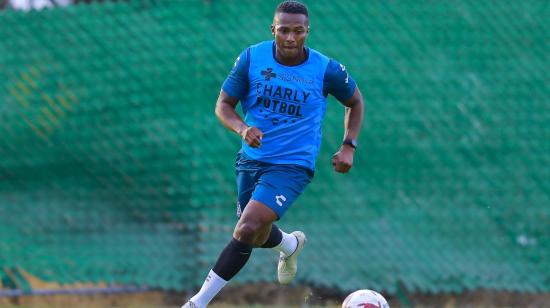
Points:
(365, 299)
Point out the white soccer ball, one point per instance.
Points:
(365, 299)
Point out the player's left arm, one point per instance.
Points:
(339, 84)
(353, 119)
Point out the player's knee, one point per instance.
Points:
(248, 232)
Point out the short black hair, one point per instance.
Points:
(292, 7)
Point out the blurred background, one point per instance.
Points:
(117, 181)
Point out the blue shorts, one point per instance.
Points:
(276, 186)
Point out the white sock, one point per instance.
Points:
(288, 244)
(211, 286)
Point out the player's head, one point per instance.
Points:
(290, 28)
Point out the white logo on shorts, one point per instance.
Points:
(278, 199)
(239, 209)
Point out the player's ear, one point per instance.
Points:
(273, 29)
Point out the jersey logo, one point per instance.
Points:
(278, 199)
(344, 70)
(268, 73)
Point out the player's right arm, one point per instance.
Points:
(235, 88)
(226, 113)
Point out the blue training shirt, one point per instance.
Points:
(287, 103)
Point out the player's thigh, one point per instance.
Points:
(279, 186)
(247, 173)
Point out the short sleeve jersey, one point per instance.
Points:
(287, 103)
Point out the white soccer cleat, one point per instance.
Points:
(288, 265)
(190, 304)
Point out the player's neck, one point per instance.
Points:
(298, 59)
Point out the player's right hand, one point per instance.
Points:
(252, 136)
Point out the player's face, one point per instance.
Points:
(290, 31)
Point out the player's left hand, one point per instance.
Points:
(342, 161)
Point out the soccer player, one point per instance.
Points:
(282, 86)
